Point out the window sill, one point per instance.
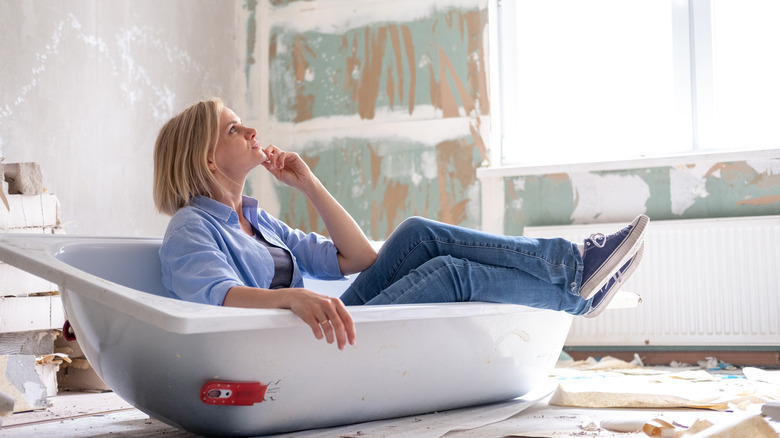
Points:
(638, 163)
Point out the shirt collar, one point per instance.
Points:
(220, 210)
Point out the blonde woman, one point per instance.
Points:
(222, 248)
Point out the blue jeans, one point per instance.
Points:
(425, 261)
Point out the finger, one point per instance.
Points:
(284, 158)
(349, 324)
(346, 319)
(315, 327)
(338, 331)
(272, 152)
(327, 328)
(342, 324)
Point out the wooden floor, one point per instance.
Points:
(81, 415)
(91, 415)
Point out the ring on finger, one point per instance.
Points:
(325, 322)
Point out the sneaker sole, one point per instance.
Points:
(618, 258)
(611, 294)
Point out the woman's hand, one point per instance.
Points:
(355, 253)
(287, 167)
(327, 316)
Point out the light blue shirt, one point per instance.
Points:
(205, 253)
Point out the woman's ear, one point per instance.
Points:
(212, 165)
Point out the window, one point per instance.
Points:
(602, 80)
(740, 106)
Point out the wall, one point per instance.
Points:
(702, 187)
(387, 101)
(87, 85)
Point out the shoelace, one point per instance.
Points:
(595, 236)
(602, 237)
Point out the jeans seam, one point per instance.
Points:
(424, 280)
(502, 248)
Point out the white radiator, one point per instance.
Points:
(709, 282)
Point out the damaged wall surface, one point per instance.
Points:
(88, 84)
(701, 189)
(386, 101)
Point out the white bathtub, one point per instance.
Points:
(158, 353)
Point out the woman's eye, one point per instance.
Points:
(233, 129)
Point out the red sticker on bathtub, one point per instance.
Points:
(221, 392)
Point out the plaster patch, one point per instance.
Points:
(132, 39)
(607, 198)
(135, 80)
(428, 164)
(715, 171)
(333, 17)
(416, 177)
(357, 190)
(768, 167)
(395, 166)
(51, 48)
(685, 186)
(394, 124)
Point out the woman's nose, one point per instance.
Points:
(251, 133)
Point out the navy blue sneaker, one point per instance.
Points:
(602, 298)
(605, 255)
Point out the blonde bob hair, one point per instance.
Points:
(181, 156)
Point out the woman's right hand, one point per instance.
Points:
(327, 316)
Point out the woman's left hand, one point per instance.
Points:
(287, 167)
(327, 316)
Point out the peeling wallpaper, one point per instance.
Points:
(354, 84)
(383, 181)
(347, 81)
(394, 66)
(386, 100)
(696, 190)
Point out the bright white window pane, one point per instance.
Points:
(746, 76)
(595, 82)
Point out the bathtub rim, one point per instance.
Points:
(36, 254)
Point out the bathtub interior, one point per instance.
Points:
(137, 266)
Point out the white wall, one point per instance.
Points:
(86, 86)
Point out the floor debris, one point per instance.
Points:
(745, 392)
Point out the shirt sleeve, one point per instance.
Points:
(194, 268)
(315, 255)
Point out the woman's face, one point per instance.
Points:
(237, 151)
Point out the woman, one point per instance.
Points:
(220, 248)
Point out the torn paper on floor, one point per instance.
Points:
(20, 381)
(436, 424)
(689, 389)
